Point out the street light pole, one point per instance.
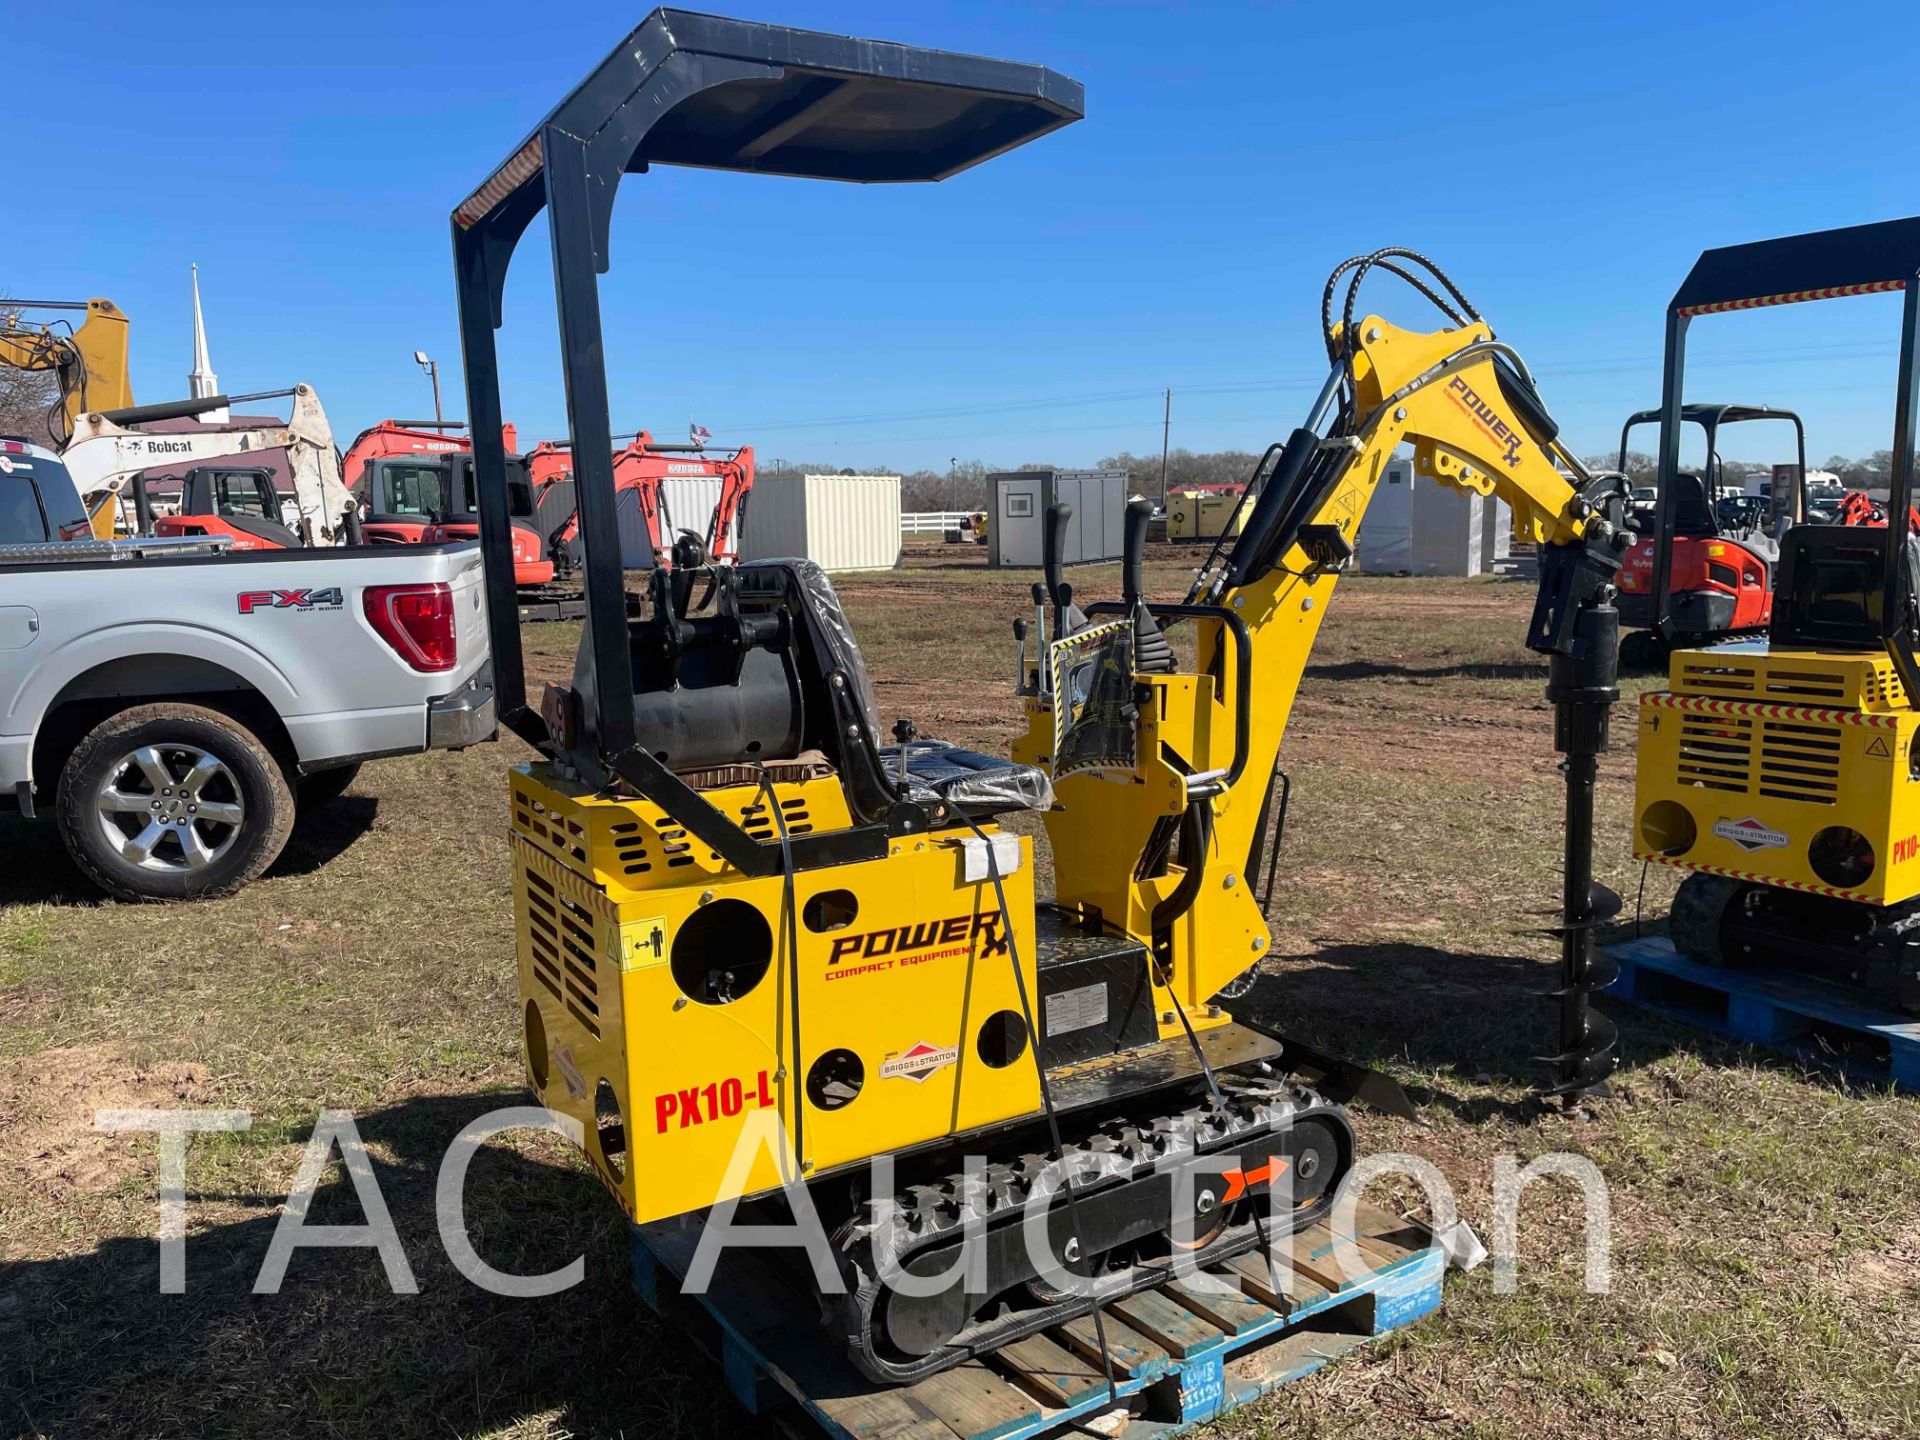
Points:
(433, 374)
(953, 482)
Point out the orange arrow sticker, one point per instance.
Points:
(1239, 1180)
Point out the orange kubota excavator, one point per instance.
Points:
(394, 472)
(410, 476)
(1860, 508)
(645, 473)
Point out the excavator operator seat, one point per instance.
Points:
(1692, 515)
(978, 785)
(770, 672)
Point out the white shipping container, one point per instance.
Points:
(841, 522)
(689, 501)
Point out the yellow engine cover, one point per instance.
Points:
(656, 986)
(1755, 765)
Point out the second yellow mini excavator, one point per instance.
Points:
(759, 947)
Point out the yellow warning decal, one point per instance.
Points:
(644, 943)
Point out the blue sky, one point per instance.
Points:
(1564, 163)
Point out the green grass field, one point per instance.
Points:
(1766, 1255)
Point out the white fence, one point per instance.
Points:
(932, 522)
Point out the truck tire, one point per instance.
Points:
(173, 802)
(323, 787)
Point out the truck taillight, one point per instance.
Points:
(416, 620)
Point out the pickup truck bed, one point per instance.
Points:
(321, 658)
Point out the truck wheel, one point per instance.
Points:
(323, 787)
(173, 802)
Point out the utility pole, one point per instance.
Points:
(1166, 429)
(433, 374)
(953, 482)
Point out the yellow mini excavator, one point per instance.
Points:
(1783, 773)
(759, 947)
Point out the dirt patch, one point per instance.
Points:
(1886, 1274)
(47, 1105)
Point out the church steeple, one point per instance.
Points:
(201, 381)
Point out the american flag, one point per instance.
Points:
(698, 434)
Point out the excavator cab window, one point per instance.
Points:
(410, 488)
(247, 494)
(462, 499)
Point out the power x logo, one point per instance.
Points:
(328, 599)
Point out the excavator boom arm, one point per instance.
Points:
(90, 364)
(106, 453)
(1209, 739)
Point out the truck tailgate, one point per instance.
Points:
(293, 626)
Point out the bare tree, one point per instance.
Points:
(1185, 468)
(27, 397)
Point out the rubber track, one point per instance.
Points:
(1128, 1151)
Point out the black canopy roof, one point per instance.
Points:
(1713, 415)
(1820, 265)
(689, 89)
(685, 89)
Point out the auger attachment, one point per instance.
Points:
(1583, 685)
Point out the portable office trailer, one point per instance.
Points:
(841, 522)
(1021, 499)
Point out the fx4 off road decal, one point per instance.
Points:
(256, 600)
(872, 952)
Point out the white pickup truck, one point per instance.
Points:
(173, 703)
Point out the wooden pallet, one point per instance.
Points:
(1822, 1024)
(1181, 1355)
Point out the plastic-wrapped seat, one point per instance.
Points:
(977, 784)
(938, 773)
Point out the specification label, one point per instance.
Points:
(1080, 1009)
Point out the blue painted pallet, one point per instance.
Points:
(1779, 1011)
(1181, 1355)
